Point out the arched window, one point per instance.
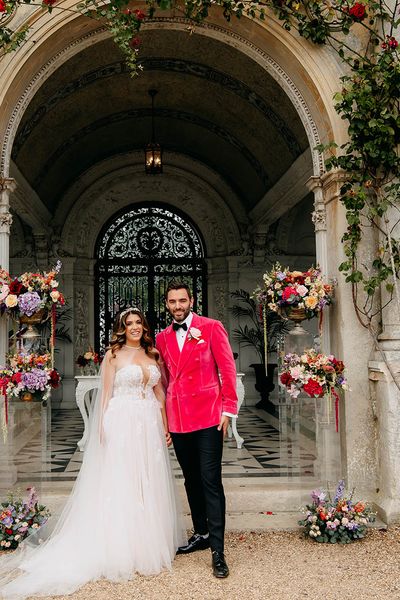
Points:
(138, 253)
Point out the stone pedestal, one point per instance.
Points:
(25, 446)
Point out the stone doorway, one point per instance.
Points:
(138, 252)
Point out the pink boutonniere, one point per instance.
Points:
(195, 334)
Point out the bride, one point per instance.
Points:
(122, 516)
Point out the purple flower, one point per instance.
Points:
(318, 496)
(33, 498)
(352, 525)
(339, 491)
(281, 276)
(29, 303)
(35, 380)
(7, 521)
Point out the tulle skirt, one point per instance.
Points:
(122, 517)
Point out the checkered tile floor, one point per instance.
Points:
(275, 445)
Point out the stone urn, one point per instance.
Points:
(264, 384)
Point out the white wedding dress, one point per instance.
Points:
(122, 516)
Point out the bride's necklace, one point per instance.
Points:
(132, 347)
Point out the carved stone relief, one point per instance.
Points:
(318, 217)
(81, 314)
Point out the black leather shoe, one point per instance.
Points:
(220, 568)
(196, 542)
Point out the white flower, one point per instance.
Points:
(293, 391)
(312, 534)
(7, 544)
(345, 521)
(55, 295)
(5, 290)
(24, 524)
(302, 290)
(11, 300)
(195, 333)
(3, 543)
(35, 526)
(55, 283)
(16, 537)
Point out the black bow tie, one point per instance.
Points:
(177, 326)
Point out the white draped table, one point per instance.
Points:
(86, 384)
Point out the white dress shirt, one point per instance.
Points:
(181, 335)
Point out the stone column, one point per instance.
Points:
(353, 344)
(384, 374)
(314, 184)
(7, 185)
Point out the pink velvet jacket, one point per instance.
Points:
(196, 395)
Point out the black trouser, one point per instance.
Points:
(199, 454)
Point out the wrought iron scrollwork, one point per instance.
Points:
(138, 253)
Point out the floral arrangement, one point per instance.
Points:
(30, 292)
(314, 373)
(29, 373)
(89, 361)
(19, 518)
(294, 289)
(341, 520)
(195, 334)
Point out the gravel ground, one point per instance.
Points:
(272, 565)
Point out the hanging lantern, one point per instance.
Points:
(153, 151)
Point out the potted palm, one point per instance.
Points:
(252, 335)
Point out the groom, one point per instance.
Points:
(201, 396)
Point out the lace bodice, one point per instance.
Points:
(133, 379)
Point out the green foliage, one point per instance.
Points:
(253, 335)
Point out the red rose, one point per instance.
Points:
(9, 531)
(54, 378)
(286, 379)
(393, 43)
(139, 14)
(313, 389)
(2, 6)
(287, 292)
(135, 42)
(49, 2)
(15, 286)
(4, 381)
(358, 12)
(16, 378)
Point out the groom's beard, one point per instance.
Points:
(179, 316)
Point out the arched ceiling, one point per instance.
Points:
(214, 104)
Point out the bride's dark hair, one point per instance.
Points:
(118, 338)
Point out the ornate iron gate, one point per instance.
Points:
(138, 253)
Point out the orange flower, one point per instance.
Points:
(359, 507)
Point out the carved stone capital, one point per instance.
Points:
(5, 222)
(7, 184)
(318, 217)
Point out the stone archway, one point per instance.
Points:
(229, 121)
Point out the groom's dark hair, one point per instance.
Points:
(178, 285)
